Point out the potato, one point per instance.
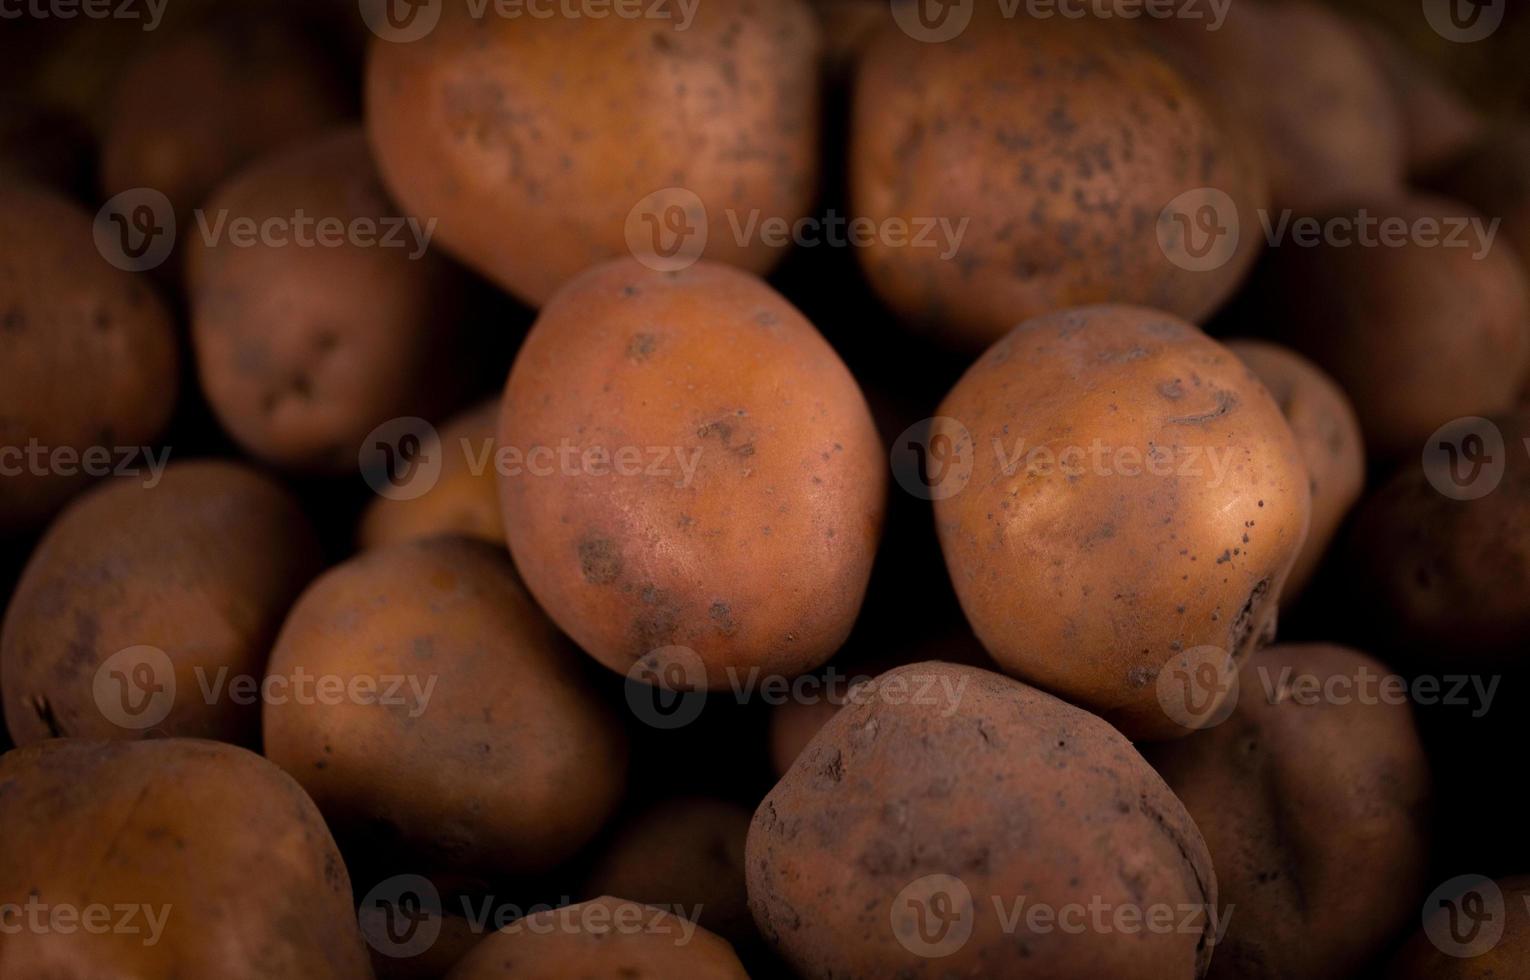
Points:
(481, 745)
(692, 466)
(1017, 134)
(1438, 952)
(207, 860)
(360, 330)
(905, 836)
(147, 603)
(603, 939)
(1416, 334)
(189, 111)
(1493, 175)
(88, 353)
(503, 123)
(1313, 798)
(1439, 558)
(686, 852)
(1328, 434)
(461, 502)
(1135, 498)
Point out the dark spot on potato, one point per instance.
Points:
(641, 346)
(14, 320)
(599, 561)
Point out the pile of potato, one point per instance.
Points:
(725, 488)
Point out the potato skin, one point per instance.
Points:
(650, 948)
(1421, 959)
(511, 765)
(1328, 434)
(202, 566)
(355, 336)
(217, 839)
(88, 352)
(760, 558)
(1087, 581)
(1013, 792)
(503, 123)
(1025, 128)
(1315, 813)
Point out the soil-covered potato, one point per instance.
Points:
(510, 129)
(1052, 149)
(88, 357)
(693, 466)
(150, 605)
(1313, 798)
(199, 859)
(603, 939)
(1480, 930)
(472, 740)
(1135, 498)
(1328, 433)
(311, 335)
(902, 841)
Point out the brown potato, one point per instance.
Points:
(686, 852)
(461, 502)
(1024, 131)
(198, 565)
(1134, 498)
(493, 754)
(1313, 798)
(1493, 175)
(1437, 954)
(360, 330)
(1415, 334)
(1328, 434)
(920, 817)
(211, 842)
(603, 938)
(87, 353)
(718, 481)
(514, 123)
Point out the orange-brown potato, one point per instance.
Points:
(472, 740)
(693, 466)
(88, 358)
(1047, 153)
(310, 336)
(1132, 497)
(1328, 433)
(686, 852)
(1416, 334)
(1475, 929)
(149, 607)
(168, 858)
(603, 938)
(1313, 797)
(464, 499)
(903, 840)
(503, 123)
(1493, 176)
